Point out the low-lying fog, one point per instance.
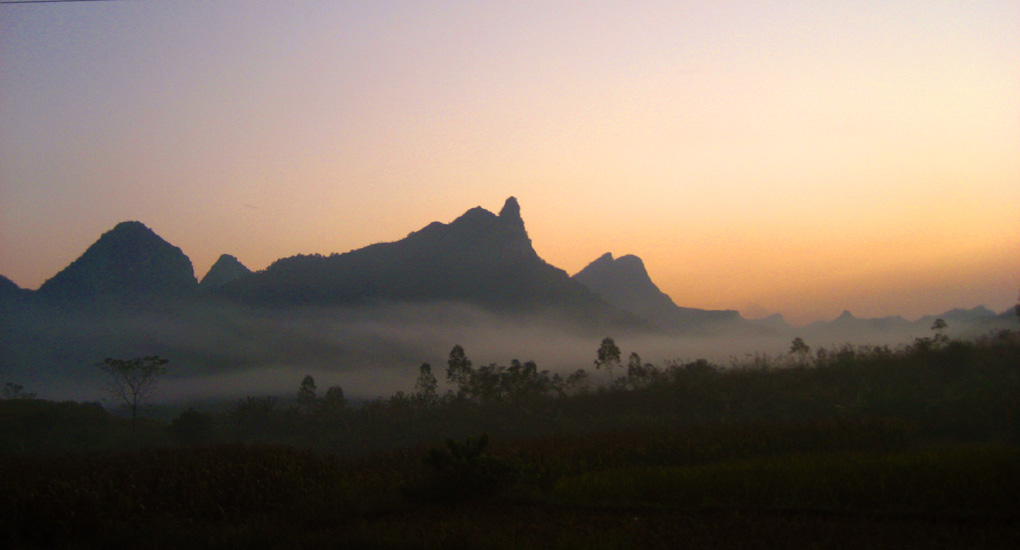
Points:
(230, 352)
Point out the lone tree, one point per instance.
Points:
(306, 398)
(938, 327)
(608, 356)
(426, 387)
(798, 347)
(132, 380)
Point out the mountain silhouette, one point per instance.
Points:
(129, 261)
(226, 269)
(480, 258)
(11, 294)
(625, 284)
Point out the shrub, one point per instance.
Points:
(464, 472)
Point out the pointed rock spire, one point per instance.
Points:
(511, 214)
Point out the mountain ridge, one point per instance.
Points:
(128, 261)
(479, 258)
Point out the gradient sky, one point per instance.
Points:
(791, 157)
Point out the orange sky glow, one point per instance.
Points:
(801, 158)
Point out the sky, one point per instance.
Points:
(801, 158)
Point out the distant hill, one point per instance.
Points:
(624, 282)
(480, 258)
(10, 289)
(226, 269)
(128, 261)
(959, 316)
(12, 295)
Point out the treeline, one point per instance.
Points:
(967, 390)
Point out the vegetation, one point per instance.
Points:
(916, 447)
(131, 381)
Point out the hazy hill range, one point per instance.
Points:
(375, 313)
(962, 323)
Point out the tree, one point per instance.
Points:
(425, 388)
(937, 327)
(132, 380)
(306, 399)
(608, 356)
(334, 402)
(638, 373)
(15, 391)
(459, 371)
(191, 427)
(578, 382)
(799, 348)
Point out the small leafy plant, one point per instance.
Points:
(465, 472)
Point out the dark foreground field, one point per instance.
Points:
(915, 448)
(236, 496)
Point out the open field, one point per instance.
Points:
(912, 448)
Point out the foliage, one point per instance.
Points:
(333, 403)
(306, 399)
(494, 384)
(459, 372)
(15, 391)
(463, 471)
(798, 347)
(37, 426)
(935, 481)
(426, 392)
(636, 488)
(920, 441)
(608, 356)
(258, 418)
(132, 381)
(192, 427)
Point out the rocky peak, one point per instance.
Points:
(632, 265)
(510, 214)
(846, 316)
(130, 259)
(226, 269)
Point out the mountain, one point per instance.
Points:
(480, 258)
(774, 322)
(625, 284)
(12, 295)
(10, 289)
(959, 316)
(129, 261)
(226, 269)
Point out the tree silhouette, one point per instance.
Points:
(132, 380)
(306, 398)
(937, 327)
(425, 387)
(608, 356)
(799, 347)
(459, 371)
(333, 404)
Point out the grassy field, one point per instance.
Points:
(232, 496)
